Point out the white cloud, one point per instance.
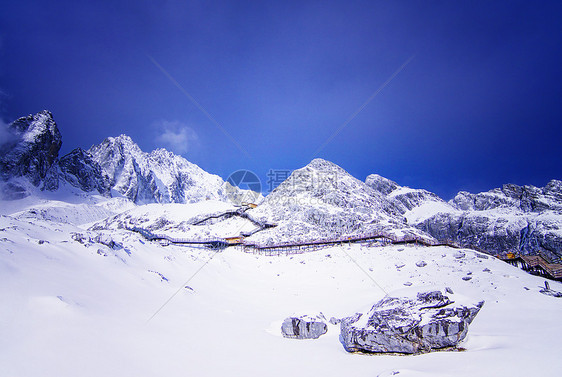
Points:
(176, 136)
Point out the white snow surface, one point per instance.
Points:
(428, 209)
(178, 220)
(71, 308)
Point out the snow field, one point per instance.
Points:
(72, 311)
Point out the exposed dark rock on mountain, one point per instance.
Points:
(32, 153)
(521, 219)
(401, 199)
(524, 219)
(81, 171)
(381, 184)
(33, 148)
(524, 198)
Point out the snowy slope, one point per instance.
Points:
(73, 308)
(183, 221)
(66, 205)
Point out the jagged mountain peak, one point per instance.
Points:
(526, 198)
(37, 128)
(33, 148)
(162, 156)
(41, 121)
(323, 165)
(121, 142)
(118, 163)
(328, 181)
(121, 139)
(554, 189)
(156, 177)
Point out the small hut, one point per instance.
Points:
(234, 240)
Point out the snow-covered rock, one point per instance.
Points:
(383, 185)
(303, 327)
(404, 200)
(430, 320)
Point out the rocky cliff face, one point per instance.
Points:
(33, 148)
(521, 219)
(81, 171)
(523, 198)
(31, 155)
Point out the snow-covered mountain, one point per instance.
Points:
(322, 201)
(522, 198)
(156, 177)
(521, 219)
(108, 302)
(29, 161)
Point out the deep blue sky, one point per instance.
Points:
(479, 105)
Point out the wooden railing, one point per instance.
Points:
(293, 247)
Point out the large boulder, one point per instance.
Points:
(303, 327)
(411, 324)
